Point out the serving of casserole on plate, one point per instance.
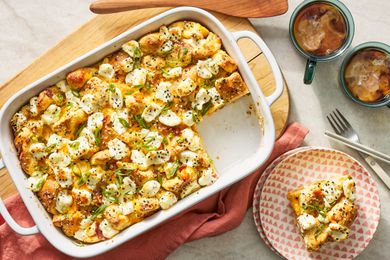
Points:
(102, 147)
(115, 142)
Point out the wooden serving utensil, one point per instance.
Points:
(238, 8)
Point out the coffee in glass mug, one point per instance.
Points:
(320, 29)
(367, 75)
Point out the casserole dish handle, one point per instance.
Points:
(10, 221)
(271, 59)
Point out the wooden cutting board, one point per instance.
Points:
(102, 28)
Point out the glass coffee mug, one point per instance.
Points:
(321, 30)
(365, 74)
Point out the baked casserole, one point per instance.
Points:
(116, 142)
(325, 210)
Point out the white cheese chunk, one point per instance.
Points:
(127, 64)
(106, 70)
(127, 207)
(95, 176)
(112, 189)
(169, 118)
(63, 201)
(79, 147)
(132, 48)
(128, 187)
(192, 140)
(107, 230)
(89, 136)
(139, 158)
(38, 150)
(55, 142)
(89, 103)
(116, 98)
(91, 230)
(117, 149)
(86, 222)
(167, 200)
(80, 234)
(215, 97)
(173, 73)
(63, 85)
(120, 121)
(158, 157)
(188, 158)
(337, 232)
(306, 221)
(150, 188)
(188, 118)
(153, 139)
(151, 112)
(72, 98)
(137, 77)
(51, 114)
(166, 47)
(64, 177)
(36, 181)
(207, 68)
(331, 191)
(82, 196)
(349, 189)
(59, 160)
(185, 87)
(33, 106)
(163, 92)
(207, 177)
(95, 121)
(202, 97)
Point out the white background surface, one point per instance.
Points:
(29, 28)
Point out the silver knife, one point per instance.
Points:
(377, 169)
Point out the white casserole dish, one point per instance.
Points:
(236, 141)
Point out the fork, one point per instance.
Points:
(342, 127)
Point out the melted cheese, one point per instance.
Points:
(116, 98)
(95, 121)
(167, 200)
(117, 149)
(202, 97)
(132, 48)
(163, 92)
(207, 177)
(349, 189)
(59, 160)
(306, 221)
(107, 230)
(151, 112)
(106, 70)
(189, 158)
(63, 201)
(150, 188)
(36, 181)
(188, 118)
(185, 87)
(38, 150)
(170, 119)
(127, 64)
(51, 114)
(137, 77)
(173, 73)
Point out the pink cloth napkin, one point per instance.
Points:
(213, 216)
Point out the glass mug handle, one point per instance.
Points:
(309, 71)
